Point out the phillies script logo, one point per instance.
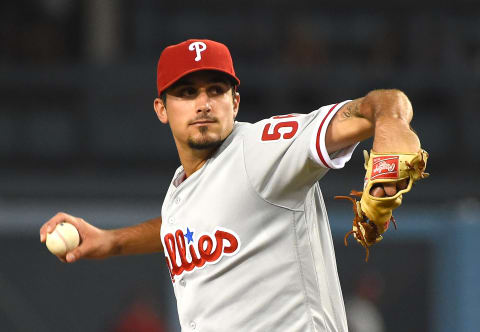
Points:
(385, 167)
(185, 254)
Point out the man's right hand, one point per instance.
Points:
(94, 242)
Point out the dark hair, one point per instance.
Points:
(163, 96)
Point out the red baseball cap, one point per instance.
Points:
(192, 55)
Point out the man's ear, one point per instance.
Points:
(236, 104)
(161, 110)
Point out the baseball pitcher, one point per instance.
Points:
(244, 228)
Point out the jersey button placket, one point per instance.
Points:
(171, 220)
(193, 325)
(182, 282)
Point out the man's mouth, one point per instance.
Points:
(202, 122)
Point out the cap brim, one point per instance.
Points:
(172, 81)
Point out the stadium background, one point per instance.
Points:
(78, 134)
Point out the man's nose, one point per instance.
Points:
(203, 102)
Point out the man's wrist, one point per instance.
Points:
(395, 136)
(114, 240)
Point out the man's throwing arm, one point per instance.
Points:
(98, 243)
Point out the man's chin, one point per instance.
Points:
(204, 144)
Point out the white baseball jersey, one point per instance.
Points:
(247, 238)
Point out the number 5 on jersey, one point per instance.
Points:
(288, 128)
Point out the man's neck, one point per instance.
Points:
(193, 160)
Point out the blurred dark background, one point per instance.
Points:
(78, 134)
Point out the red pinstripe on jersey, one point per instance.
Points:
(319, 152)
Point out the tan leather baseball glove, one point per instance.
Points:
(372, 215)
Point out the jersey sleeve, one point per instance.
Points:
(285, 155)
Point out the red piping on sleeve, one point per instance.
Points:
(318, 136)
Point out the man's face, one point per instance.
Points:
(200, 109)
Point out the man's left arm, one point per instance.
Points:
(383, 114)
(395, 163)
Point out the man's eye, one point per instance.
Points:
(217, 89)
(187, 92)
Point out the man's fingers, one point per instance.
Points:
(70, 258)
(75, 254)
(50, 225)
(63, 260)
(86, 248)
(377, 191)
(390, 188)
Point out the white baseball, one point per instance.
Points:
(64, 238)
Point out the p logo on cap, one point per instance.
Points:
(190, 56)
(198, 47)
